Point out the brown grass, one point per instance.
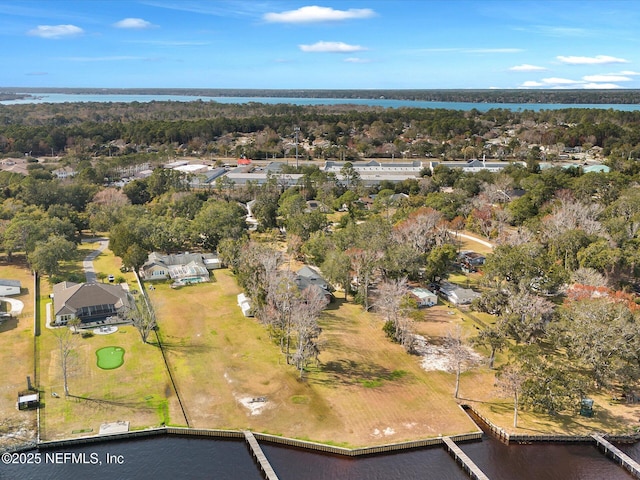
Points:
(365, 391)
(16, 357)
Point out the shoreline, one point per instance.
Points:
(496, 431)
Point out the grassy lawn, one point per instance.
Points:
(139, 391)
(365, 391)
(16, 357)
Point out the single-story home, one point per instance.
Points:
(92, 303)
(424, 297)
(182, 267)
(457, 295)
(9, 287)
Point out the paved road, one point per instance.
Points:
(87, 263)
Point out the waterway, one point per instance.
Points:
(172, 457)
(380, 102)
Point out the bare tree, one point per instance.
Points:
(67, 339)
(461, 356)
(281, 300)
(391, 303)
(306, 313)
(144, 317)
(510, 381)
(364, 263)
(418, 230)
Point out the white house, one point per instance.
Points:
(458, 295)
(9, 287)
(424, 297)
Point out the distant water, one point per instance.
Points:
(380, 102)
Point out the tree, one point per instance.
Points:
(337, 269)
(306, 312)
(364, 263)
(350, 176)
(217, 220)
(47, 255)
(510, 380)
(549, 386)
(459, 353)
(602, 334)
(66, 340)
(526, 316)
(282, 298)
(494, 338)
(439, 261)
(144, 317)
(392, 304)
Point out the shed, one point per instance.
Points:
(28, 399)
(9, 287)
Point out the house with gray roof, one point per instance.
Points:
(181, 267)
(92, 303)
(307, 277)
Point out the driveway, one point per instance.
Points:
(87, 264)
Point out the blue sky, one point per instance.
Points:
(385, 44)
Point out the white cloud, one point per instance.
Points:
(597, 60)
(55, 31)
(525, 67)
(600, 86)
(356, 60)
(312, 14)
(532, 83)
(331, 47)
(629, 72)
(560, 81)
(133, 23)
(606, 78)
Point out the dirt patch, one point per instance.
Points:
(438, 357)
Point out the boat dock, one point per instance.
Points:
(465, 462)
(260, 457)
(618, 455)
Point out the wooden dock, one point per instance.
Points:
(618, 455)
(261, 458)
(465, 462)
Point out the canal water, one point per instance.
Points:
(175, 457)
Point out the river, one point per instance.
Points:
(380, 102)
(175, 457)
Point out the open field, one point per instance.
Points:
(365, 391)
(16, 358)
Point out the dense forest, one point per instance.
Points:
(560, 287)
(91, 131)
